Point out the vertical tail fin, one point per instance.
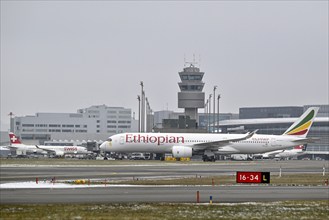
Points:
(302, 126)
(14, 139)
(299, 147)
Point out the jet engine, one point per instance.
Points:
(59, 153)
(181, 151)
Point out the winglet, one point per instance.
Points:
(302, 126)
(250, 134)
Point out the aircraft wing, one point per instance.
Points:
(27, 148)
(5, 147)
(273, 153)
(221, 143)
(12, 147)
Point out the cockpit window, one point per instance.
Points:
(109, 139)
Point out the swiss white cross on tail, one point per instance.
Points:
(188, 144)
(14, 139)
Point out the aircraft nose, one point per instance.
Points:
(104, 146)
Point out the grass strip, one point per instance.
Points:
(146, 211)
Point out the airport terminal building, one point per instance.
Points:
(92, 123)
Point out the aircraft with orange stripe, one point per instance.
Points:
(188, 144)
(301, 128)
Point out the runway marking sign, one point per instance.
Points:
(252, 177)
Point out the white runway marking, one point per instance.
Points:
(41, 185)
(47, 184)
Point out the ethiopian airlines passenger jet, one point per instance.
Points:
(188, 144)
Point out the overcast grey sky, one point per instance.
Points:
(59, 56)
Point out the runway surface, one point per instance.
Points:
(234, 193)
(185, 194)
(28, 172)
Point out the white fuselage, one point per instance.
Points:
(45, 149)
(65, 149)
(26, 148)
(164, 142)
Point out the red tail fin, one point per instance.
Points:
(14, 139)
(299, 147)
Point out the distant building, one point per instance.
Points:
(94, 123)
(323, 111)
(160, 115)
(280, 112)
(271, 112)
(170, 119)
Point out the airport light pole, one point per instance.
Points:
(214, 113)
(218, 97)
(205, 114)
(209, 112)
(147, 114)
(142, 107)
(139, 113)
(152, 120)
(144, 111)
(11, 122)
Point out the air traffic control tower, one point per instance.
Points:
(191, 96)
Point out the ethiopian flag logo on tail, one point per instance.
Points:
(302, 126)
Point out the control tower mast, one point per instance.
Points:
(191, 96)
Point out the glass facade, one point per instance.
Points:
(271, 112)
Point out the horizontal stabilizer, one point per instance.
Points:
(307, 140)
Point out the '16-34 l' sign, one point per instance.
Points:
(252, 177)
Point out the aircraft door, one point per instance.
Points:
(122, 139)
(266, 143)
(273, 142)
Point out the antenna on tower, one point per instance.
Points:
(190, 63)
(200, 60)
(184, 60)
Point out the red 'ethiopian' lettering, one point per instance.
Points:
(140, 138)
